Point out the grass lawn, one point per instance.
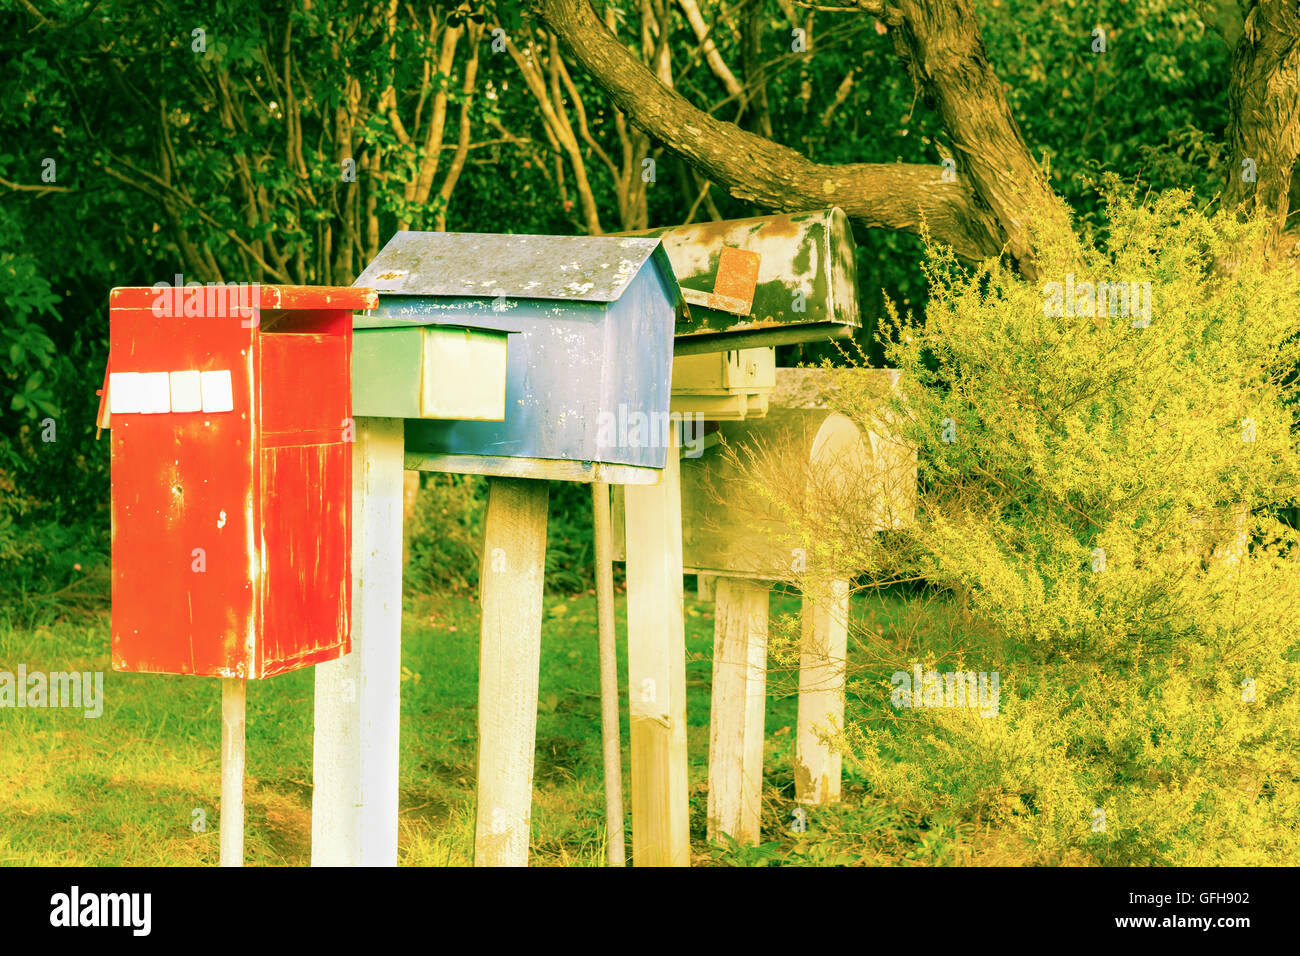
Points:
(140, 785)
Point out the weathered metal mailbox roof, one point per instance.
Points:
(768, 280)
(574, 268)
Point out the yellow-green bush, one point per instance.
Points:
(1102, 495)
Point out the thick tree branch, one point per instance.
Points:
(887, 196)
(1264, 129)
(949, 64)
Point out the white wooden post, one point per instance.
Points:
(510, 647)
(656, 652)
(616, 851)
(232, 771)
(735, 804)
(822, 655)
(358, 697)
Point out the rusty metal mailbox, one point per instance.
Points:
(231, 477)
(764, 281)
(588, 375)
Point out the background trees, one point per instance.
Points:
(287, 141)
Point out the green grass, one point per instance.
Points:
(127, 788)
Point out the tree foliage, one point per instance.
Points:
(140, 142)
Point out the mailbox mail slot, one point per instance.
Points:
(231, 479)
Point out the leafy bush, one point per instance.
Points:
(446, 534)
(50, 553)
(1099, 501)
(28, 353)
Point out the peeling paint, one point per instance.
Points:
(537, 267)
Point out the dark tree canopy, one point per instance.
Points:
(287, 141)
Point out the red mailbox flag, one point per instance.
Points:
(231, 415)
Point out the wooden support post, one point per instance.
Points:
(514, 562)
(617, 850)
(704, 586)
(735, 805)
(656, 663)
(232, 771)
(825, 630)
(358, 697)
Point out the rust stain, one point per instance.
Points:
(710, 231)
(780, 225)
(737, 274)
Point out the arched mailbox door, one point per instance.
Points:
(819, 449)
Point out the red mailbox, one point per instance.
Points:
(230, 409)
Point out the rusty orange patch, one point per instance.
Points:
(737, 274)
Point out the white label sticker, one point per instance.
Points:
(186, 396)
(123, 392)
(187, 390)
(218, 393)
(155, 393)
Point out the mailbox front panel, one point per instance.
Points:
(305, 487)
(184, 507)
(306, 540)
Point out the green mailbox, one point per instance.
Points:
(440, 372)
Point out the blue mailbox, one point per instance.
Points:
(588, 376)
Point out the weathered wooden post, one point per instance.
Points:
(611, 749)
(751, 284)
(230, 408)
(399, 373)
(656, 666)
(357, 705)
(587, 390)
(823, 655)
(233, 694)
(511, 583)
(738, 706)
